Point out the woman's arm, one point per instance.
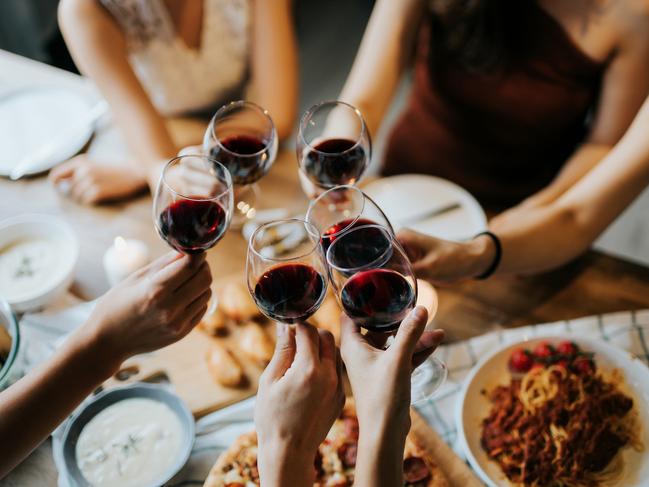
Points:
(380, 381)
(98, 46)
(541, 237)
(274, 73)
(156, 306)
(386, 49)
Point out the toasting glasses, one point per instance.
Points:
(333, 144)
(242, 137)
(376, 288)
(286, 270)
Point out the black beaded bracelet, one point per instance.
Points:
(497, 256)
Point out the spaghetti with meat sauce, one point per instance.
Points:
(561, 423)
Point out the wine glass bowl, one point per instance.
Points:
(286, 271)
(342, 208)
(333, 144)
(242, 137)
(193, 203)
(372, 276)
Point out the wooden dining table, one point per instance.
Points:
(594, 283)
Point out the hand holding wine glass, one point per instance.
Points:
(377, 289)
(333, 144)
(300, 395)
(383, 405)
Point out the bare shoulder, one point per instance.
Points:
(75, 9)
(631, 17)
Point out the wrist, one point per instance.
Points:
(103, 358)
(282, 463)
(481, 253)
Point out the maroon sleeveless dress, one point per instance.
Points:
(501, 136)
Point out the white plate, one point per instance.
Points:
(410, 195)
(30, 117)
(492, 370)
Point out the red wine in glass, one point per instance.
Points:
(335, 162)
(245, 156)
(378, 299)
(333, 232)
(290, 293)
(192, 226)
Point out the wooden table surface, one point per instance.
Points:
(593, 284)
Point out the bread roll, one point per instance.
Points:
(255, 343)
(235, 301)
(214, 323)
(224, 367)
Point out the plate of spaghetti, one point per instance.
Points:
(551, 412)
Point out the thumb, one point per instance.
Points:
(284, 353)
(409, 332)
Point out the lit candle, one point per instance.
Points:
(123, 258)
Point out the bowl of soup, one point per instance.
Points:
(38, 255)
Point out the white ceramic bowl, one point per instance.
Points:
(62, 251)
(492, 371)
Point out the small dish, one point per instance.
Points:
(109, 397)
(492, 370)
(9, 346)
(38, 254)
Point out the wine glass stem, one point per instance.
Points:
(426, 379)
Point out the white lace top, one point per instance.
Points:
(179, 79)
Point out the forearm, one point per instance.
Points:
(280, 465)
(274, 63)
(379, 462)
(85, 28)
(33, 407)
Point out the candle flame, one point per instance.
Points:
(120, 243)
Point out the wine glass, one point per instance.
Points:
(376, 288)
(242, 137)
(333, 144)
(342, 208)
(285, 270)
(192, 206)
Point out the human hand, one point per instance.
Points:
(88, 182)
(439, 261)
(156, 306)
(380, 378)
(300, 395)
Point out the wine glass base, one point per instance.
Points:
(426, 380)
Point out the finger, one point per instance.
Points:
(189, 310)
(161, 262)
(193, 321)
(327, 347)
(409, 332)
(63, 171)
(285, 348)
(307, 341)
(79, 186)
(351, 340)
(195, 285)
(178, 271)
(426, 345)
